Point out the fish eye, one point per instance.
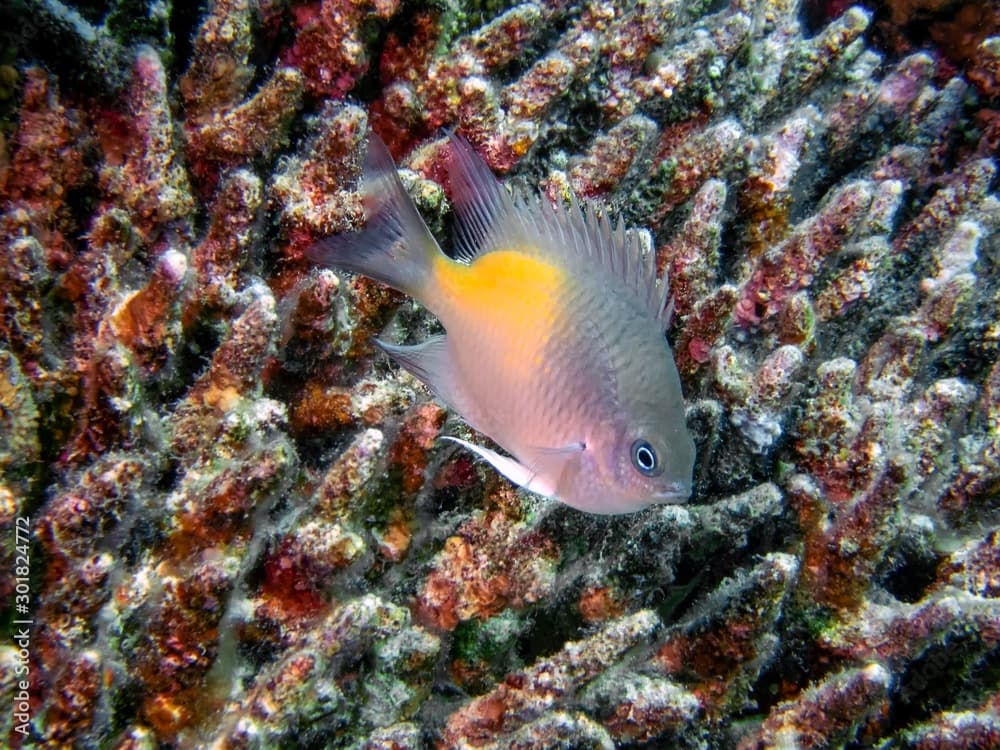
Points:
(644, 459)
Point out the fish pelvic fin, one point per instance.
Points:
(518, 473)
(395, 247)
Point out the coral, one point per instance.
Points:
(526, 695)
(491, 563)
(829, 713)
(328, 48)
(721, 651)
(246, 532)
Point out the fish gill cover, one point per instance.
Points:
(246, 532)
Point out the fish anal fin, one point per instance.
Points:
(430, 362)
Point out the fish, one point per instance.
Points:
(554, 344)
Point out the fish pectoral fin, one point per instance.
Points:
(516, 472)
(567, 450)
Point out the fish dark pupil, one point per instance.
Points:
(644, 457)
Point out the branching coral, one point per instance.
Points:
(246, 531)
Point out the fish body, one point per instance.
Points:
(554, 346)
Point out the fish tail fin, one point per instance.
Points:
(395, 247)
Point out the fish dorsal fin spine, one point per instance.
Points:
(481, 202)
(488, 218)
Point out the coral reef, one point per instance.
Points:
(245, 532)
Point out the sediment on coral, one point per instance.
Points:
(246, 531)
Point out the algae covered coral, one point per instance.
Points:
(245, 531)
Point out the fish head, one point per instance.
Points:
(638, 451)
(630, 465)
(654, 462)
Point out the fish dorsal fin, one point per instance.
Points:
(482, 205)
(488, 219)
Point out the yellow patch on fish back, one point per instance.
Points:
(507, 294)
